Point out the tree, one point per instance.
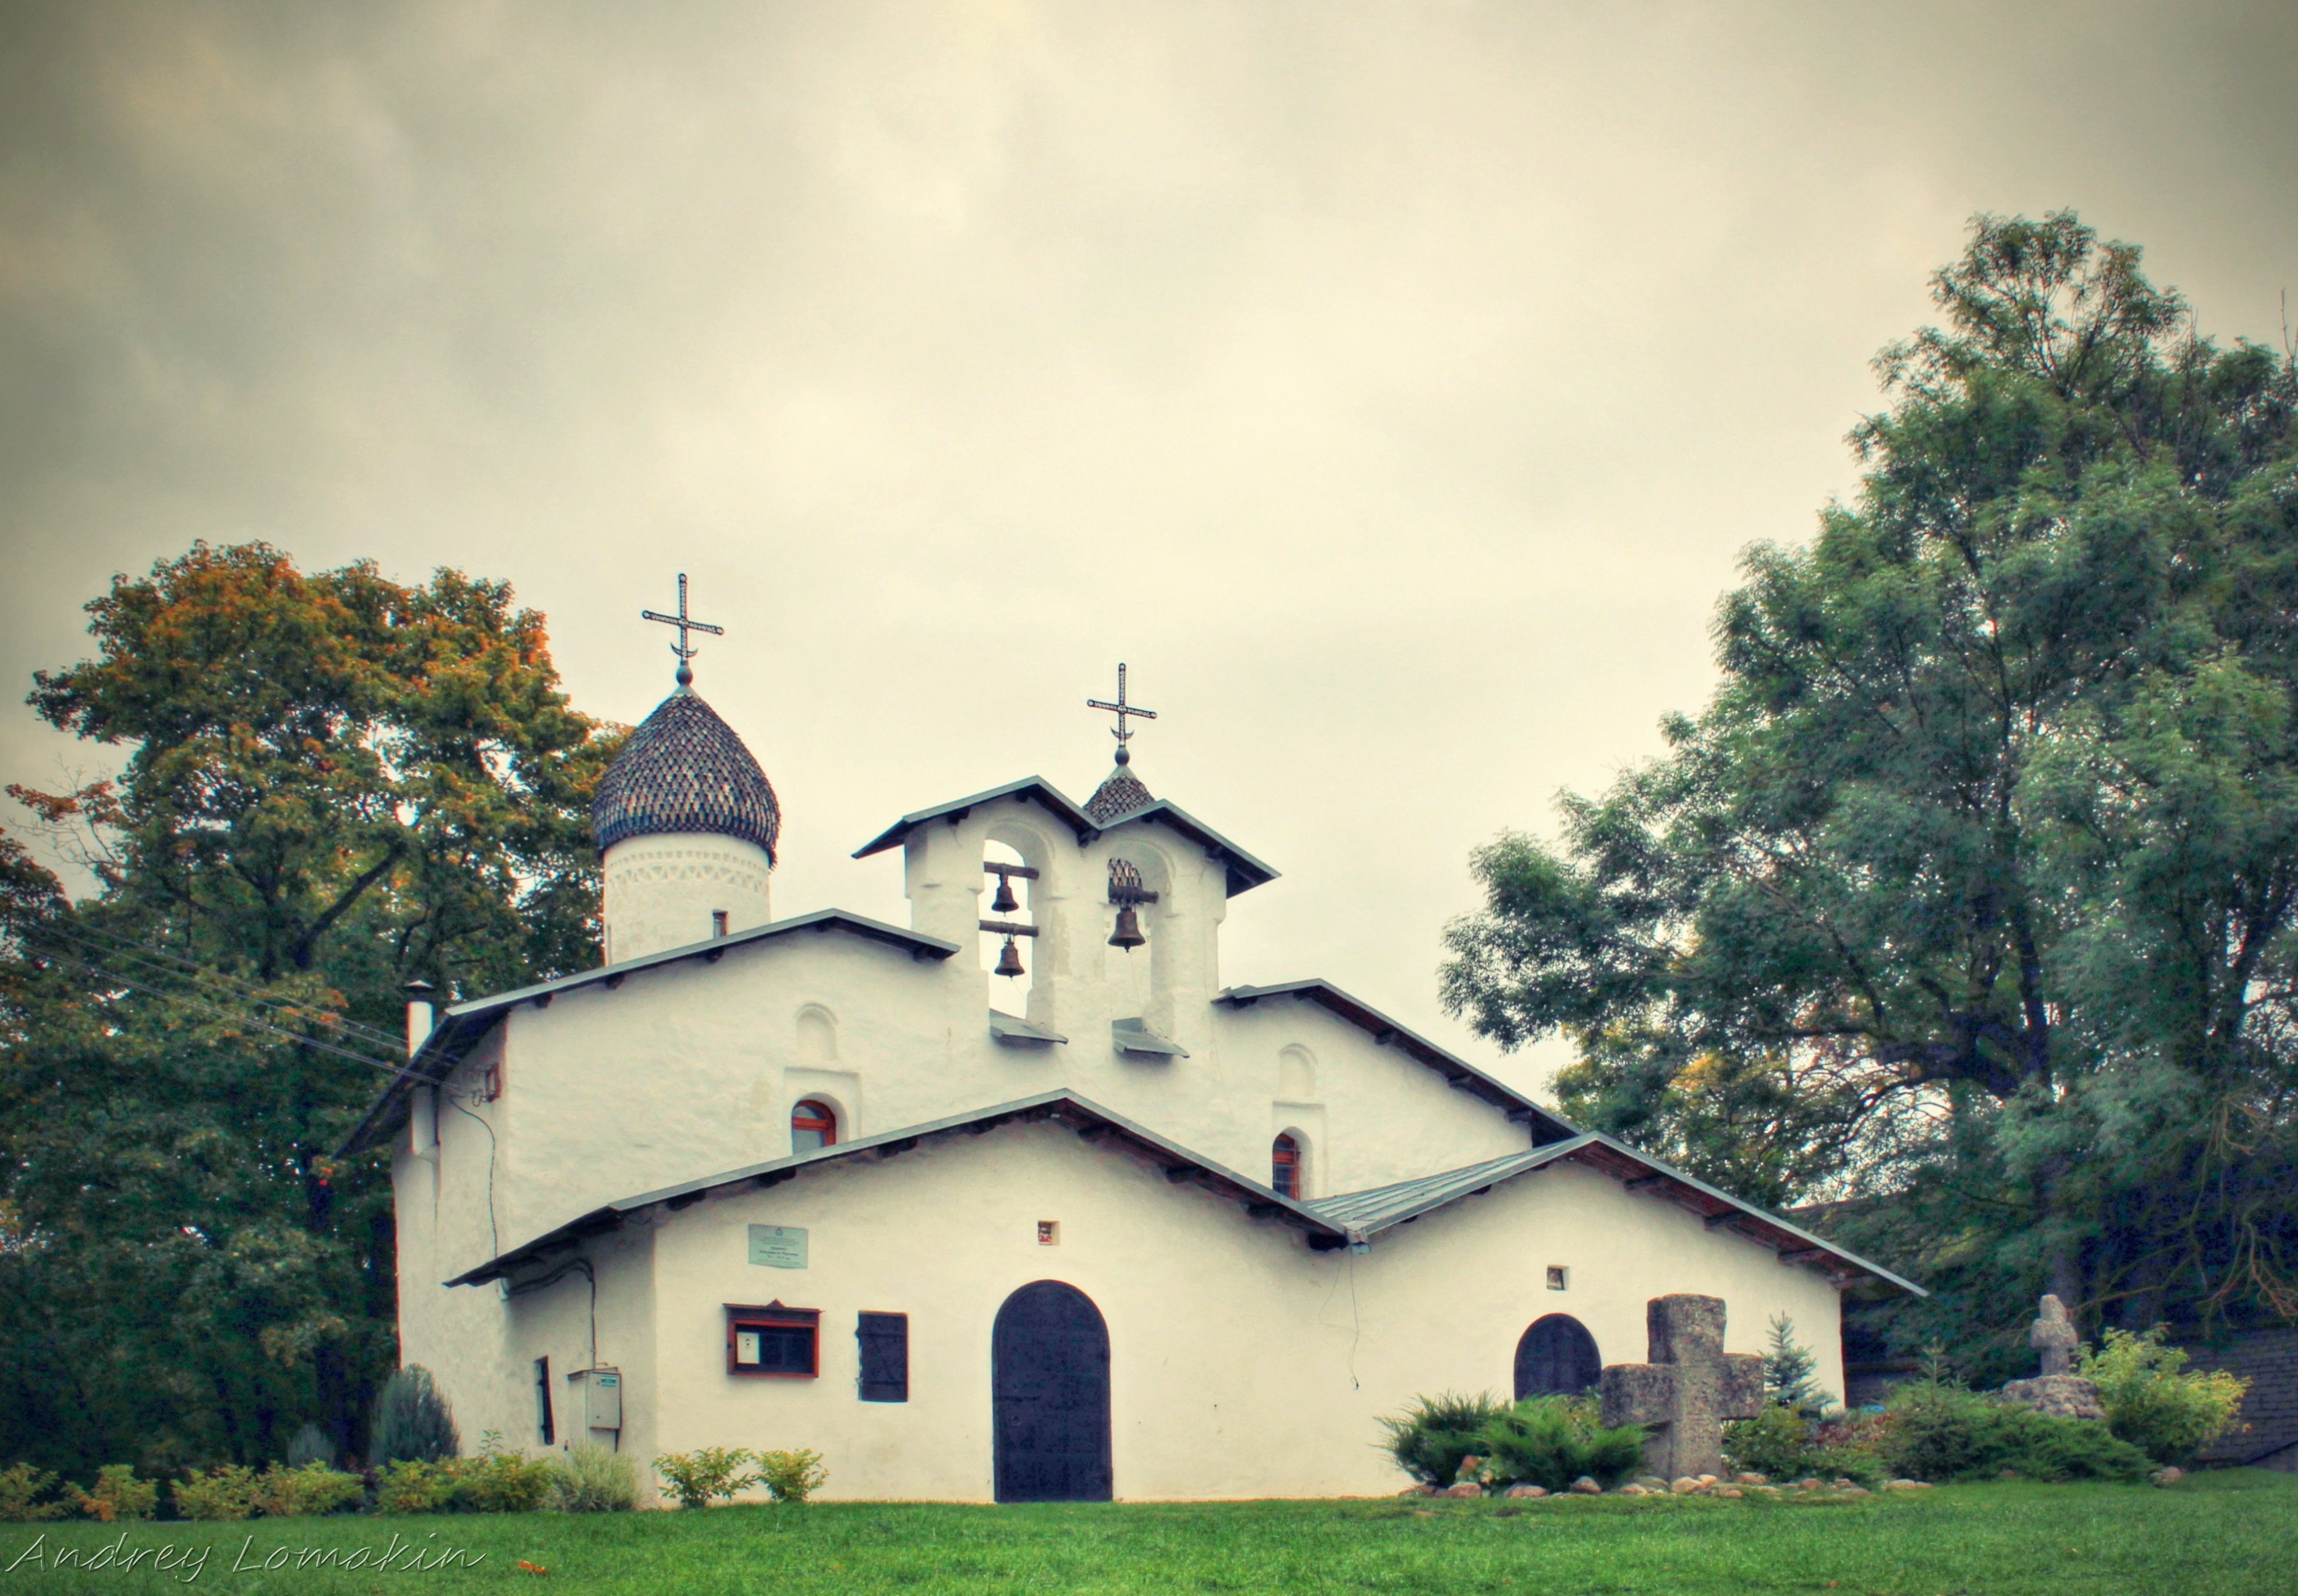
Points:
(335, 784)
(1975, 880)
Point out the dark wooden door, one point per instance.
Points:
(1557, 1357)
(1049, 1395)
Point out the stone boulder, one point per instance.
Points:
(2066, 1396)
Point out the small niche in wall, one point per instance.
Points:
(1296, 1075)
(817, 1034)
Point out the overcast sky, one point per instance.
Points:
(1392, 385)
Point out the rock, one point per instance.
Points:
(1907, 1486)
(1734, 1492)
(1848, 1489)
(1708, 1479)
(1585, 1486)
(1633, 1489)
(1685, 1486)
(2166, 1476)
(1418, 1490)
(1463, 1490)
(1746, 1478)
(1524, 1490)
(2067, 1396)
(1806, 1484)
(1839, 1485)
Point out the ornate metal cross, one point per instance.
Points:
(686, 624)
(1121, 709)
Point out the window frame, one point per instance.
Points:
(773, 1316)
(824, 1119)
(1279, 1147)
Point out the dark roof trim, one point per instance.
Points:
(1099, 1124)
(1245, 872)
(462, 1027)
(1546, 1125)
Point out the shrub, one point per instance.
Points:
(223, 1493)
(696, 1476)
(792, 1475)
(310, 1491)
(413, 1486)
(310, 1446)
(21, 1485)
(412, 1421)
(1551, 1441)
(2152, 1404)
(502, 1482)
(1776, 1441)
(118, 1494)
(1432, 1435)
(1943, 1433)
(591, 1479)
(1853, 1445)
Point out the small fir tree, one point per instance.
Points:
(413, 1422)
(1787, 1368)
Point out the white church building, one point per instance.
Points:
(804, 1182)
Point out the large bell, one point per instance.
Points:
(1009, 960)
(1004, 902)
(1127, 934)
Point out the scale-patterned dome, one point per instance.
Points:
(684, 770)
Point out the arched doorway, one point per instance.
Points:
(1557, 1357)
(1049, 1395)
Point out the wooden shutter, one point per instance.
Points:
(885, 1339)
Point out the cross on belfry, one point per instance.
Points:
(685, 624)
(1121, 709)
(1687, 1391)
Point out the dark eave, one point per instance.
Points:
(1244, 871)
(1457, 1072)
(1091, 1122)
(462, 1027)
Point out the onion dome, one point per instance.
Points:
(1119, 796)
(684, 770)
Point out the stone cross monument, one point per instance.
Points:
(2058, 1389)
(2053, 1335)
(1687, 1391)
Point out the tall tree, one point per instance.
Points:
(335, 784)
(1972, 887)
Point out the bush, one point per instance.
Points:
(696, 1476)
(792, 1475)
(310, 1491)
(412, 1421)
(118, 1494)
(1943, 1433)
(1777, 1442)
(223, 1493)
(502, 1482)
(591, 1479)
(310, 1446)
(413, 1486)
(2150, 1403)
(1432, 1435)
(22, 1486)
(1551, 1441)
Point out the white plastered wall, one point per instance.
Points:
(660, 891)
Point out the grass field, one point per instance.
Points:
(2222, 1534)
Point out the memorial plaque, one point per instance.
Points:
(778, 1246)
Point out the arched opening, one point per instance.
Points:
(1018, 891)
(1296, 1075)
(1049, 1396)
(814, 1124)
(1285, 1167)
(817, 1035)
(1557, 1357)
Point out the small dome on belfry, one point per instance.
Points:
(685, 770)
(1121, 792)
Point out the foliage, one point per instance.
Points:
(333, 783)
(498, 1481)
(1787, 1368)
(1551, 1441)
(589, 1478)
(310, 1491)
(416, 1486)
(224, 1492)
(1969, 897)
(1435, 1433)
(697, 1477)
(792, 1475)
(118, 1494)
(1776, 1441)
(311, 1445)
(22, 1486)
(413, 1422)
(1943, 1433)
(2154, 1402)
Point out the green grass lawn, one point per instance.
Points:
(2221, 1534)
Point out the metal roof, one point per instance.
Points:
(685, 770)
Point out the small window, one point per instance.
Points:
(812, 1125)
(773, 1340)
(885, 1339)
(542, 1418)
(1557, 1277)
(1049, 1233)
(717, 923)
(1285, 1167)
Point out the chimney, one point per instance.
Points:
(418, 1015)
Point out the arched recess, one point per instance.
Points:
(1296, 1074)
(817, 1034)
(1049, 1396)
(1556, 1357)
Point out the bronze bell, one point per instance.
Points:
(1127, 934)
(1004, 902)
(1009, 961)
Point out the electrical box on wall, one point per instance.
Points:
(602, 1397)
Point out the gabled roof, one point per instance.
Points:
(1365, 1214)
(461, 1026)
(1457, 1072)
(1245, 872)
(1096, 1124)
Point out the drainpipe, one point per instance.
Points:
(423, 1113)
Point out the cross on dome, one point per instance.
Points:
(686, 624)
(1121, 709)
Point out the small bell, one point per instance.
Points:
(1009, 960)
(1004, 902)
(1127, 934)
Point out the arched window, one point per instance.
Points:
(812, 1125)
(1557, 1357)
(1285, 1167)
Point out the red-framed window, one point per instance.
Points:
(1284, 1166)
(812, 1125)
(774, 1341)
